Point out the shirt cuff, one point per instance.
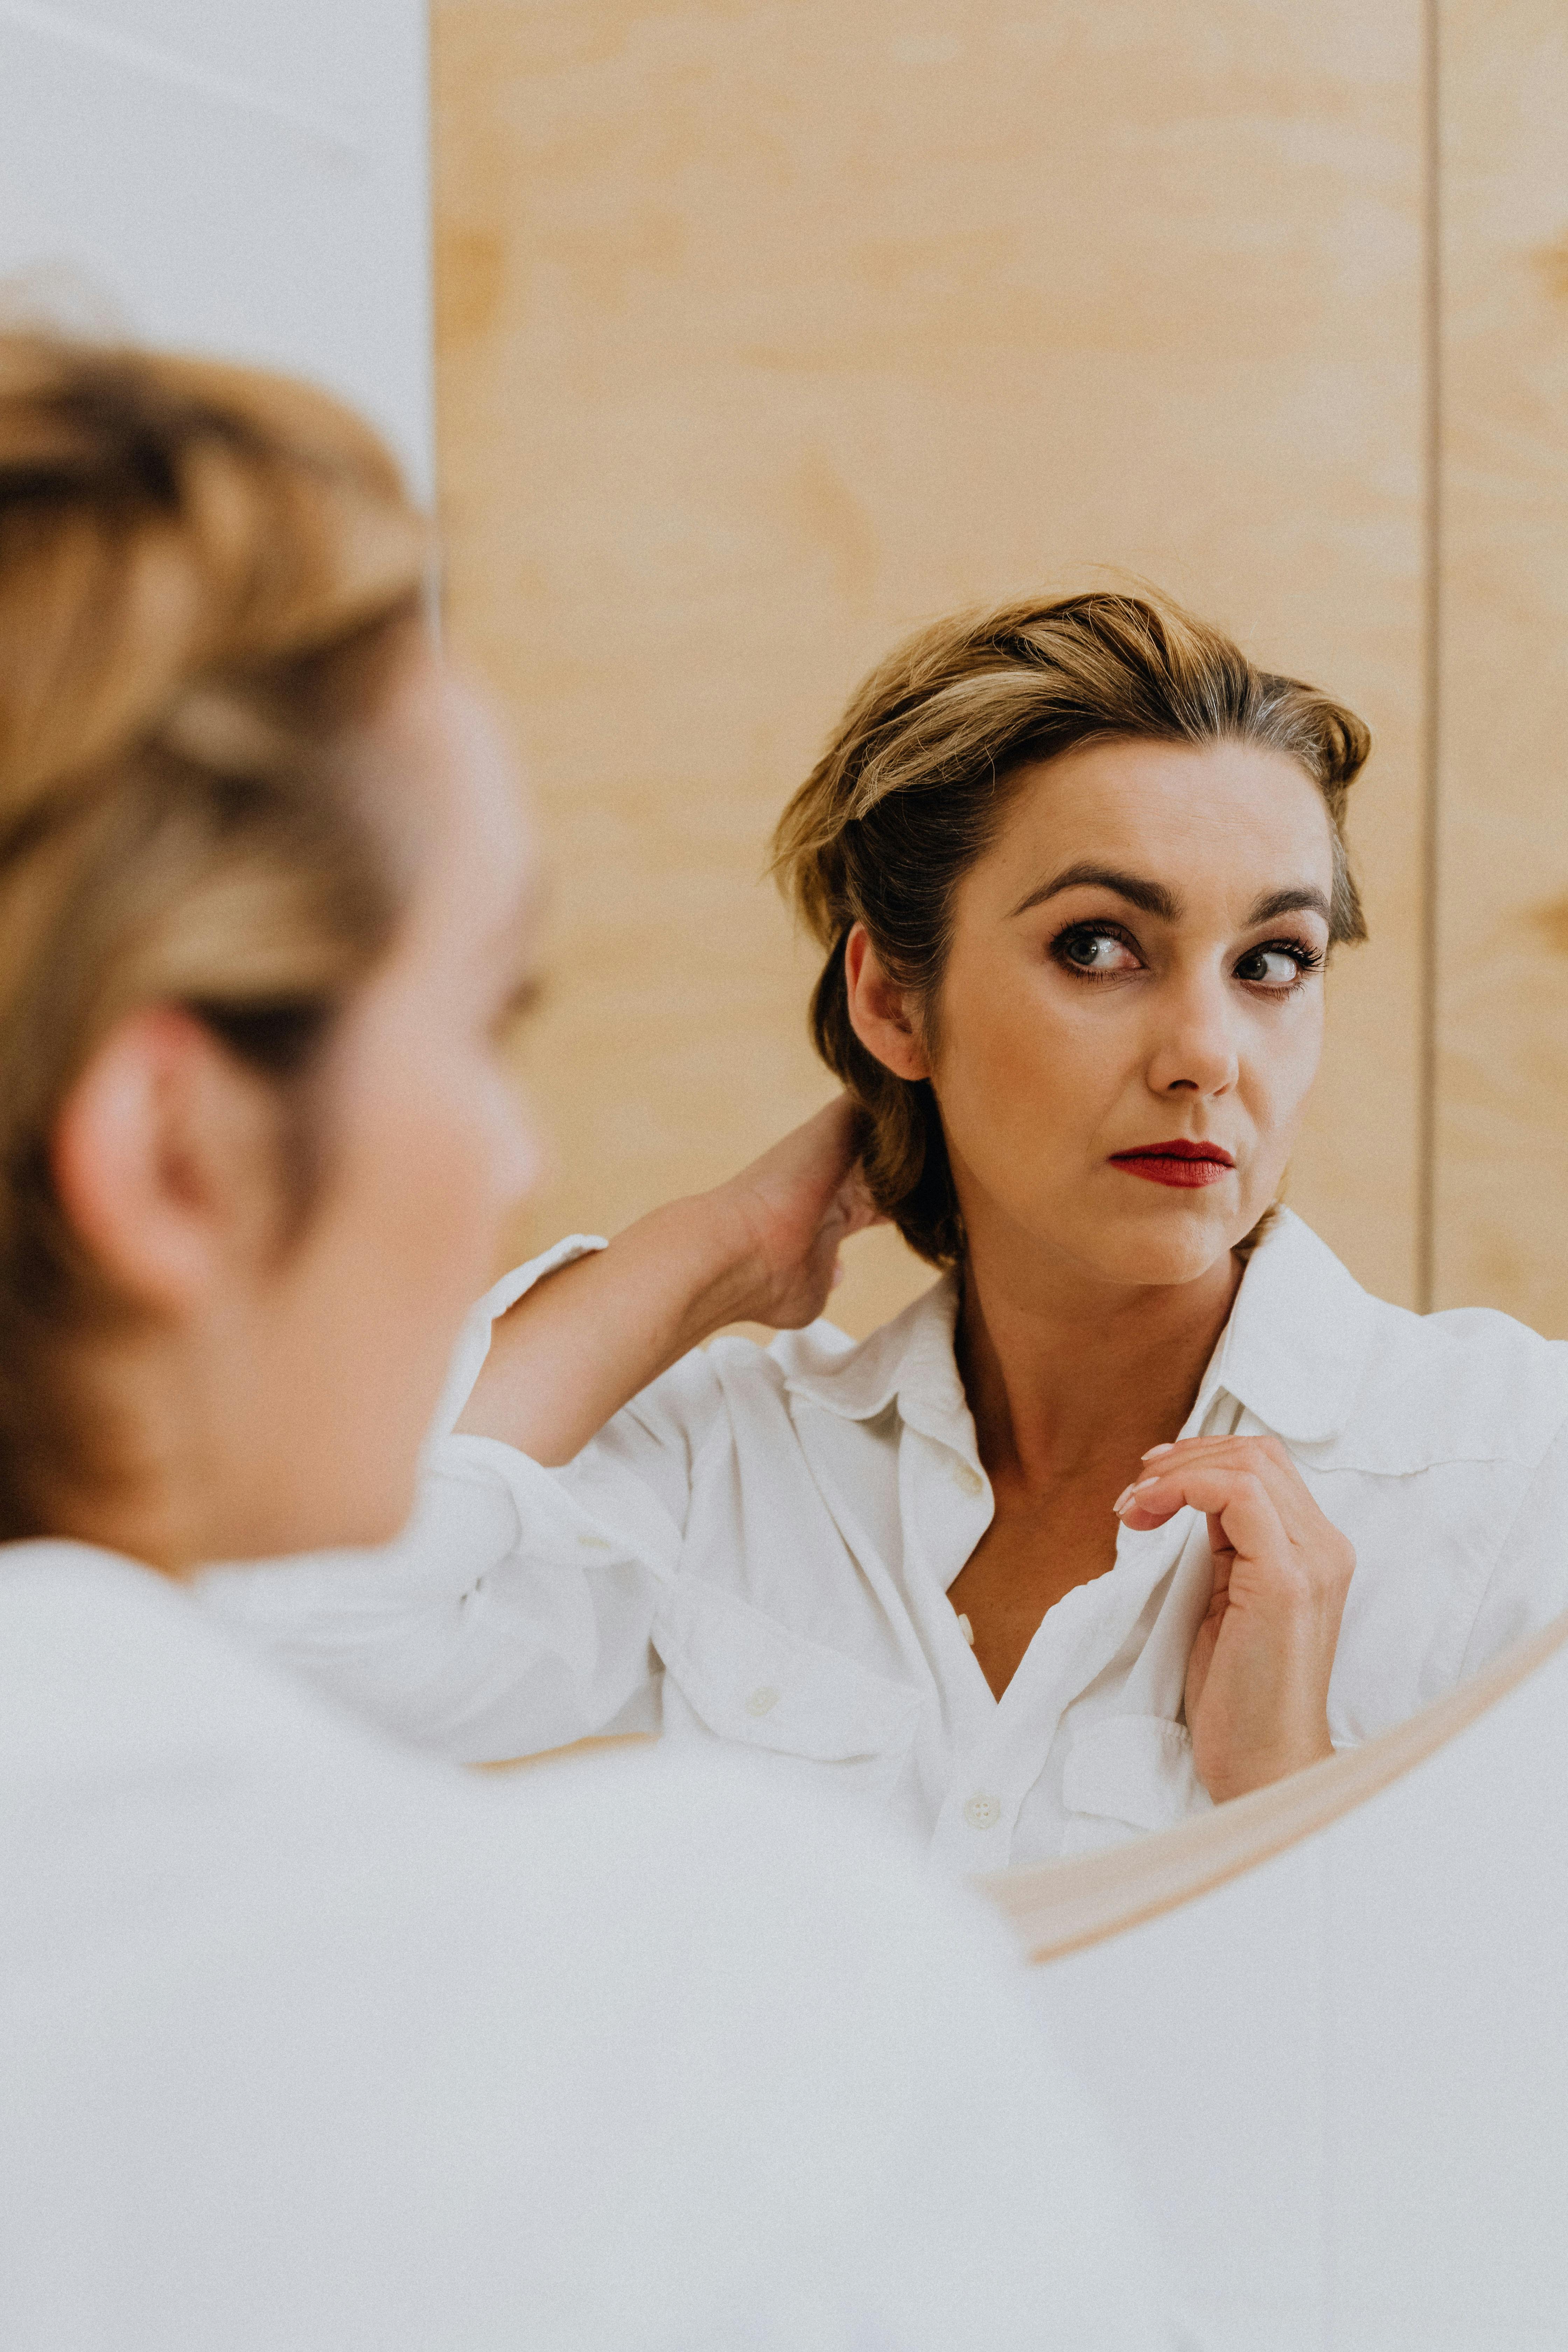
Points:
(474, 1340)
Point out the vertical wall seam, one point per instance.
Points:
(1432, 654)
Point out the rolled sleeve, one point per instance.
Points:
(474, 1340)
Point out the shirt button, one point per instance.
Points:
(982, 1812)
(762, 1701)
(969, 1480)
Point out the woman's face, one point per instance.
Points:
(425, 1147)
(1136, 963)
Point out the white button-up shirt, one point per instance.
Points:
(758, 1549)
(313, 2045)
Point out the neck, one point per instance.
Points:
(149, 1487)
(1063, 1371)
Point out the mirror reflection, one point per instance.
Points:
(1145, 1502)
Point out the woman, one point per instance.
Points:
(1066, 1550)
(310, 2042)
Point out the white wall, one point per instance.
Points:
(243, 177)
(1342, 2079)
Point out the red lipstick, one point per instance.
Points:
(1179, 1161)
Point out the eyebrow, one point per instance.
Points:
(1290, 902)
(1136, 888)
(1155, 899)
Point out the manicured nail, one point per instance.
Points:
(1152, 1451)
(1122, 1502)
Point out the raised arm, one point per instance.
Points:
(762, 1248)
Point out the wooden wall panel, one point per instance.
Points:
(1501, 1175)
(767, 332)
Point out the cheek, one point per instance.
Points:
(1282, 1068)
(468, 1152)
(1017, 1055)
(445, 1151)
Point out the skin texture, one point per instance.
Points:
(1077, 1018)
(269, 1392)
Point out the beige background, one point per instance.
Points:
(768, 331)
(1502, 1166)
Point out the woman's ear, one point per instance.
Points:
(879, 1010)
(160, 1154)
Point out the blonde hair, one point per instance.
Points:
(914, 783)
(206, 576)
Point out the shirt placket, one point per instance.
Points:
(995, 1773)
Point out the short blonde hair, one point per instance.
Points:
(914, 783)
(204, 575)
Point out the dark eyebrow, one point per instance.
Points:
(1152, 897)
(1290, 902)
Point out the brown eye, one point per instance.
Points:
(1276, 966)
(1097, 953)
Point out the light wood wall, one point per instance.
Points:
(767, 332)
(1500, 1166)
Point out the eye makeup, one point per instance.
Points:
(1096, 951)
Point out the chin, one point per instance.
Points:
(1161, 1246)
(361, 1522)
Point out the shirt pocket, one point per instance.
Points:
(732, 1673)
(1125, 1773)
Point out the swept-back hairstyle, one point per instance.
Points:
(914, 783)
(205, 577)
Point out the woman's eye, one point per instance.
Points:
(1097, 952)
(1276, 967)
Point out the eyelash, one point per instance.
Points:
(1306, 958)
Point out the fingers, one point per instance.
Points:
(1263, 1458)
(855, 1205)
(1236, 1497)
(1257, 1507)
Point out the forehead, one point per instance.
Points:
(1222, 815)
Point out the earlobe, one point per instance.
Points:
(879, 1010)
(136, 1157)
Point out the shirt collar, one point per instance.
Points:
(1293, 1352)
(909, 1359)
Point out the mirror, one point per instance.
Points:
(995, 305)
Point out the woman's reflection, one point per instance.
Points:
(1145, 1502)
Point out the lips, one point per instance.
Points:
(1179, 1161)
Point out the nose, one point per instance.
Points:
(1194, 1050)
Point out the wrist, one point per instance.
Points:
(1259, 1768)
(704, 1246)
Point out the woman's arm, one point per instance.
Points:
(762, 1248)
(1257, 1678)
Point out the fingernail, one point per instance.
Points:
(1152, 1451)
(1122, 1502)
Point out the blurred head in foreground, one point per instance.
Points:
(264, 910)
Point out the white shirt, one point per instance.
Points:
(758, 1551)
(312, 2044)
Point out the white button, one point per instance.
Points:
(966, 1629)
(982, 1812)
(970, 1480)
(762, 1701)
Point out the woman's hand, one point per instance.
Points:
(1258, 1677)
(763, 1248)
(789, 1211)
